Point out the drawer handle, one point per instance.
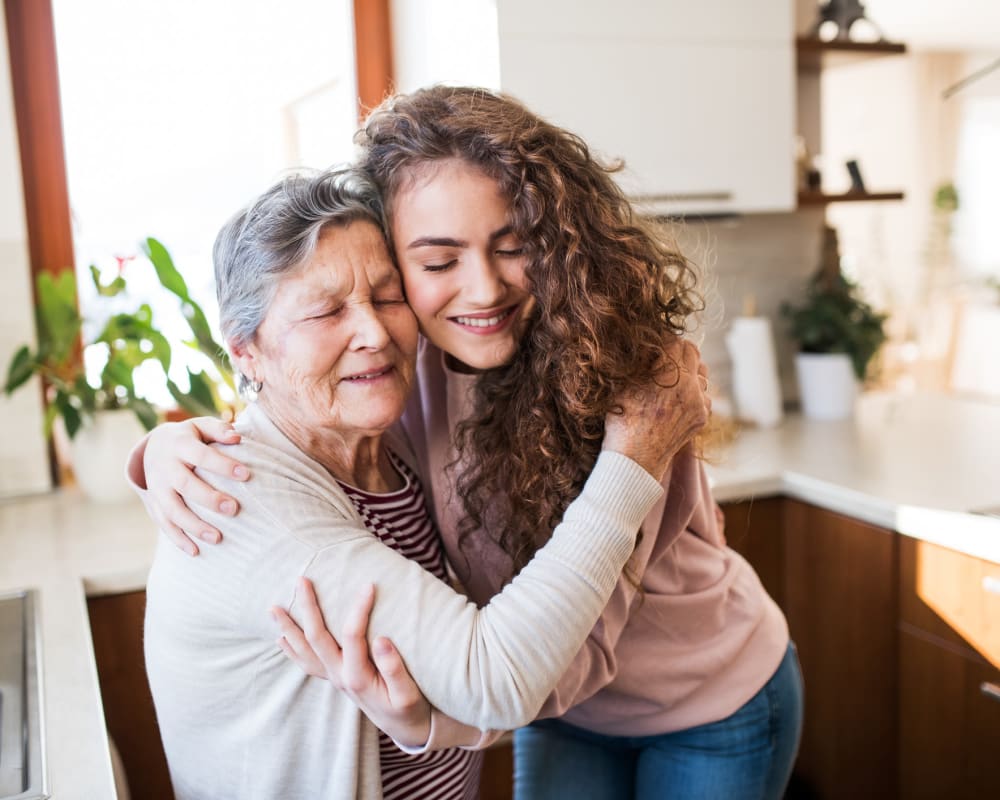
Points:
(990, 690)
(991, 584)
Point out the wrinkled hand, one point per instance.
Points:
(658, 420)
(172, 453)
(379, 685)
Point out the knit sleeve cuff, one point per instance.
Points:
(135, 472)
(447, 732)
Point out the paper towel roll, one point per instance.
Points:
(756, 392)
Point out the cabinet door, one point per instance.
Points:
(702, 123)
(674, 20)
(841, 607)
(116, 625)
(754, 529)
(949, 722)
(950, 596)
(949, 660)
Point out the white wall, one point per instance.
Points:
(23, 458)
(471, 57)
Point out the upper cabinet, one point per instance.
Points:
(697, 99)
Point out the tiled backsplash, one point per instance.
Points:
(768, 256)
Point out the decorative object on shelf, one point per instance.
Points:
(838, 17)
(837, 334)
(854, 171)
(808, 176)
(126, 340)
(756, 390)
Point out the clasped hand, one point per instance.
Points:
(378, 683)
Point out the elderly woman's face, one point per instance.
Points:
(337, 348)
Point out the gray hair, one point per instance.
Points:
(277, 233)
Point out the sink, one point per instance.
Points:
(22, 757)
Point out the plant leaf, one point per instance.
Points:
(59, 320)
(170, 278)
(117, 286)
(71, 416)
(22, 367)
(145, 411)
(192, 403)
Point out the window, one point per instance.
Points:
(177, 114)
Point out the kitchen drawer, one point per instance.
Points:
(951, 596)
(949, 723)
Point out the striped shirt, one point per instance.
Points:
(401, 521)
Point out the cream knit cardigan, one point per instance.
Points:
(240, 721)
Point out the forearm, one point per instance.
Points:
(492, 668)
(686, 505)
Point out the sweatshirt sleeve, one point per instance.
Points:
(489, 667)
(687, 504)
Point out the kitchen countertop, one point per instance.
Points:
(917, 464)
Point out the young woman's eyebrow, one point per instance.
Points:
(447, 241)
(436, 241)
(499, 233)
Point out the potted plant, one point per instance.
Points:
(103, 415)
(838, 334)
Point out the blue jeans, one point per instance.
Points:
(747, 756)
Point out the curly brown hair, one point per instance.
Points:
(610, 290)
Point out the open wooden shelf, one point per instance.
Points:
(814, 54)
(811, 198)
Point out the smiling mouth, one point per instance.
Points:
(485, 322)
(368, 376)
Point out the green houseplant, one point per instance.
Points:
(835, 319)
(128, 339)
(837, 333)
(103, 414)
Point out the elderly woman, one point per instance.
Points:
(313, 312)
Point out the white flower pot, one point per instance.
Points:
(99, 451)
(827, 385)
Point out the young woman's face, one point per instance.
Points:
(464, 271)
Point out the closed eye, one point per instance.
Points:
(333, 312)
(511, 253)
(439, 267)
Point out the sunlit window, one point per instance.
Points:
(177, 113)
(978, 173)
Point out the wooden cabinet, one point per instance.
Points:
(755, 530)
(899, 642)
(840, 596)
(834, 577)
(949, 727)
(949, 688)
(697, 98)
(116, 623)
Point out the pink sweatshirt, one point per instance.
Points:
(702, 640)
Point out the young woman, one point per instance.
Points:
(542, 298)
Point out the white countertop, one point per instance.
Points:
(67, 549)
(915, 463)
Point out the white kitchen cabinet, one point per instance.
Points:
(696, 98)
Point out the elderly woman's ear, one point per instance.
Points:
(244, 360)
